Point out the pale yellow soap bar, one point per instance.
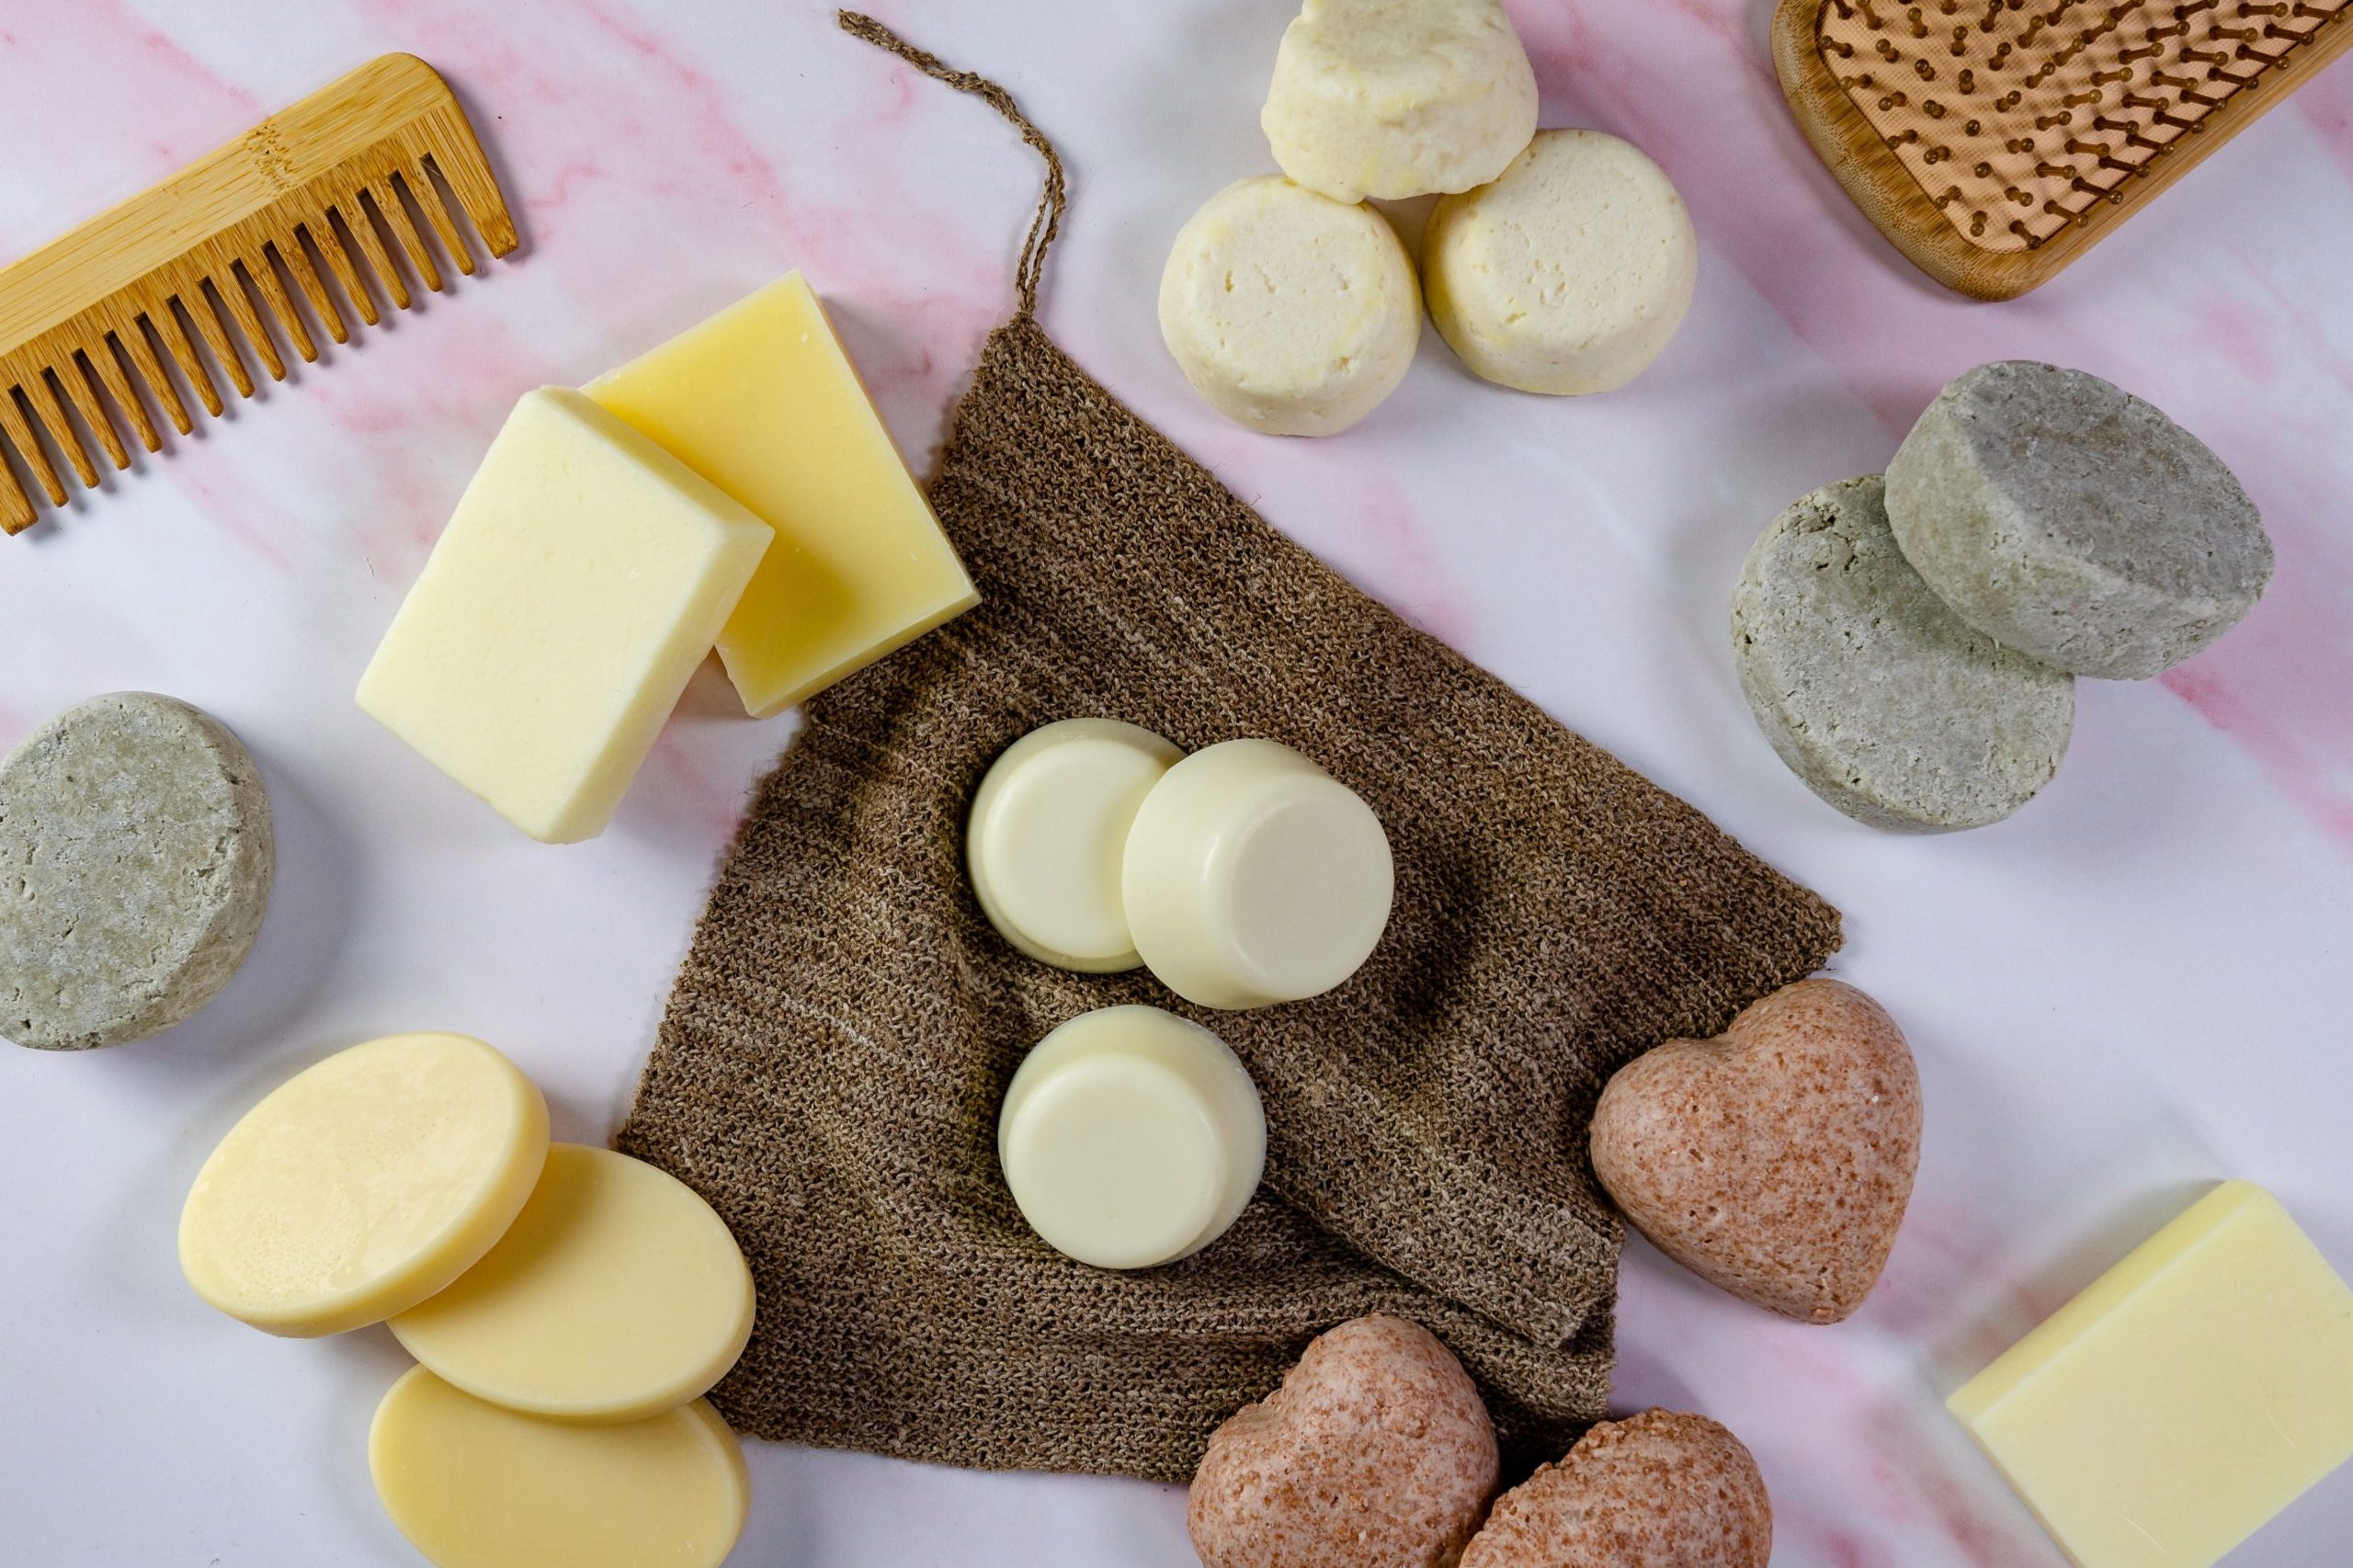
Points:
(617, 1294)
(1131, 1137)
(363, 1184)
(761, 401)
(581, 580)
(473, 1486)
(2191, 1393)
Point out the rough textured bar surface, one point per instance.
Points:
(2066, 518)
(135, 861)
(1871, 691)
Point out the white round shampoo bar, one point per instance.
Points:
(1049, 825)
(1569, 273)
(363, 1184)
(475, 1486)
(617, 1294)
(1131, 1137)
(1254, 877)
(1289, 313)
(1394, 99)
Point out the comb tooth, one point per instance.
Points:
(18, 418)
(458, 157)
(259, 274)
(60, 428)
(17, 512)
(227, 290)
(181, 347)
(393, 214)
(362, 230)
(132, 340)
(81, 389)
(296, 261)
(430, 201)
(100, 365)
(207, 327)
(329, 245)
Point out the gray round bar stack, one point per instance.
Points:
(135, 864)
(1876, 695)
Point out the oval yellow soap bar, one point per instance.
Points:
(617, 1294)
(363, 1184)
(475, 1486)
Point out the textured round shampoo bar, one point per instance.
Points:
(2064, 518)
(472, 1485)
(363, 1184)
(1876, 694)
(1289, 313)
(1394, 99)
(1131, 1137)
(135, 864)
(1049, 825)
(1568, 274)
(617, 1293)
(1254, 876)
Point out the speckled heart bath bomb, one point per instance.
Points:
(135, 862)
(2064, 518)
(1887, 704)
(1776, 1160)
(1376, 1452)
(1659, 1490)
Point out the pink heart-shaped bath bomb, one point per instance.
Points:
(1661, 1490)
(1776, 1160)
(1375, 1453)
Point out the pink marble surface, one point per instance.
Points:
(2128, 990)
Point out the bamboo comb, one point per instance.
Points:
(335, 184)
(1996, 141)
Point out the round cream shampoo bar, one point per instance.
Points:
(1131, 1137)
(473, 1486)
(1569, 273)
(1049, 824)
(1253, 876)
(363, 1184)
(1289, 313)
(1394, 99)
(617, 1293)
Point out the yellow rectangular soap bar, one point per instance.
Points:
(761, 401)
(579, 583)
(2187, 1396)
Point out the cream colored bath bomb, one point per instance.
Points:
(1661, 1490)
(1376, 1452)
(1291, 313)
(1399, 97)
(135, 865)
(1569, 273)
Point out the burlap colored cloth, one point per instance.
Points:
(830, 1065)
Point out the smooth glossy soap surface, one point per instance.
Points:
(1049, 826)
(581, 580)
(617, 1294)
(1254, 876)
(363, 1184)
(475, 1486)
(1131, 1137)
(761, 401)
(2191, 1393)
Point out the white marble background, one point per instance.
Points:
(2131, 988)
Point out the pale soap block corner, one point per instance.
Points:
(762, 401)
(2185, 1398)
(583, 575)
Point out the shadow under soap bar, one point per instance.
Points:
(761, 401)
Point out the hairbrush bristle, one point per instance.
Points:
(2019, 117)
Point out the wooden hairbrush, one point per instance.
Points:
(335, 184)
(1996, 141)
